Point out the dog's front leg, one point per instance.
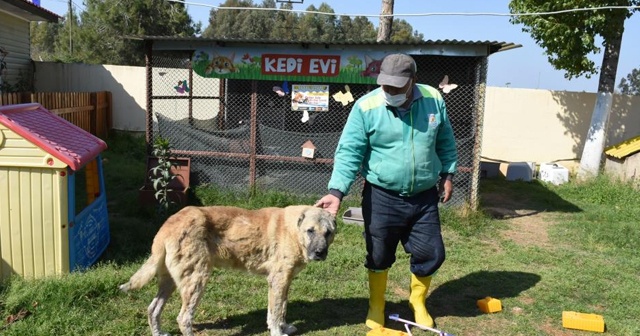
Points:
(278, 295)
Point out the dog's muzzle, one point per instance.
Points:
(319, 254)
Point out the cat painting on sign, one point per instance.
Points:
(221, 65)
(372, 68)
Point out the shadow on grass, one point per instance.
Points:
(306, 316)
(453, 298)
(504, 199)
(459, 297)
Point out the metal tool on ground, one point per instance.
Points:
(396, 317)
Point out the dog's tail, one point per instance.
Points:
(147, 272)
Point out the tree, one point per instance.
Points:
(403, 32)
(99, 34)
(285, 26)
(386, 22)
(363, 29)
(310, 25)
(230, 23)
(43, 40)
(327, 23)
(568, 39)
(631, 84)
(289, 26)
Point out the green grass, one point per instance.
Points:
(580, 254)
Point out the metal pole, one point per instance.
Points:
(70, 28)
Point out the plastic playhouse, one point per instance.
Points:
(53, 208)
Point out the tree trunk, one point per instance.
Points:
(384, 30)
(597, 135)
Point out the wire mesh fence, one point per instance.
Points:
(242, 134)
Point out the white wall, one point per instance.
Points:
(127, 85)
(544, 126)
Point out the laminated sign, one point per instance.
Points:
(309, 97)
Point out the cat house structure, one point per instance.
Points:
(53, 209)
(245, 110)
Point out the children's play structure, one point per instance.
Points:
(53, 208)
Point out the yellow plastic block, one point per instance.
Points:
(582, 321)
(489, 305)
(386, 332)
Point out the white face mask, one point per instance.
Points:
(396, 100)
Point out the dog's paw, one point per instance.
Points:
(124, 287)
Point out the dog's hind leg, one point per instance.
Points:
(192, 286)
(279, 283)
(166, 287)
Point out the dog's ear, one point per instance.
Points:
(301, 219)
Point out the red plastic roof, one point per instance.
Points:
(58, 137)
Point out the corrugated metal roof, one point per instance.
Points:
(494, 46)
(624, 148)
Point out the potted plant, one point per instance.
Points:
(167, 180)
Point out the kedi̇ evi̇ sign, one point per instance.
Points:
(305, 65)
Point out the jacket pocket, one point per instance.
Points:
(389, 174)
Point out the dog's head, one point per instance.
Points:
(316, 229)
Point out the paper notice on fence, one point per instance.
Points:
(309, 97)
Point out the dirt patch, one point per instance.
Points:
(527, 226)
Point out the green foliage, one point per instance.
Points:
(279, 25)
(161, 175)
(22, 84)
(631, 84)
(43, 40)
(98, 35)
(569, 38)
(403, 32)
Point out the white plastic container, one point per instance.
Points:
(554, 173)
(523, 171)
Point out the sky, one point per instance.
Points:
(524, 67)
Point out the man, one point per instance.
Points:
(400, 139)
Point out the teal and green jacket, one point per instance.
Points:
(402, 152)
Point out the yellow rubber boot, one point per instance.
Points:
(377, 288)
(419, 289)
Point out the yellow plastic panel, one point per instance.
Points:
(92, 180)
(16, 151)
(33, 216)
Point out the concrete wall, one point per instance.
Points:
(519, 124)
(127, 86)
(544, 126)
(129, 91)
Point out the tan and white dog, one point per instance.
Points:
(275, 242)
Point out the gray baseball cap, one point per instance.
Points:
(396, 70)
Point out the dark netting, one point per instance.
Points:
(240, 133)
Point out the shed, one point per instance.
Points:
(241, 109)
(15, 42)
(53, 209)
(623, 160)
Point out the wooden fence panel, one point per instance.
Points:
(90, 111)
(14, 98)
(103, 122)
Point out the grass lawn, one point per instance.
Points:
(540, 249)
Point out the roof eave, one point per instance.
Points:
(436, 47)
(29, 11)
